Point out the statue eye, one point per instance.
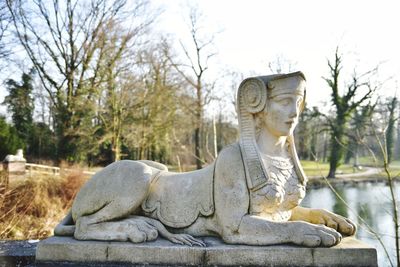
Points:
(284, 101)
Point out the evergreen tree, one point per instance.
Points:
(20, 105)
(9, 140)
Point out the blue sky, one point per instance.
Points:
(253, 33)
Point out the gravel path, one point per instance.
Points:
(367, 171)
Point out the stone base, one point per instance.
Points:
(17, 253)
(66, 250)
(15, 167)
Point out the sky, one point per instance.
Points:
(252, 33)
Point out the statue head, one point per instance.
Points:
(285, 101)
(272, 102)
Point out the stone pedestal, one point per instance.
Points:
(14, 166)
(17, 167)
(66, 250)
(14, 170)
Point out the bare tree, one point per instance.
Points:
(114, 85)
(65, 42)
(281, 65)
(197, 57)
(5, 21)
(358, 131)
(150, 111)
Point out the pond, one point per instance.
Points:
(370, 201)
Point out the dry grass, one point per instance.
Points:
(30, 209)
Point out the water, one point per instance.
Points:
(372, 202)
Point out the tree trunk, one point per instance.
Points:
(199, 118)
(325, 150)
(116, 150)
(349, 152)
(197, 147)
(356, 164)
(63, 129)
(337, 138)
(333, 162)
(215, 138)
(313, 154)
(397, 147)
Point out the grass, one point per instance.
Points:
(313, 168)
(394, 172)
(31, 208)
(394, 167)
(316, 169)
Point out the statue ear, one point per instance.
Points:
(253, 95)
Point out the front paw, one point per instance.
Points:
(310, 235)
(184, 239)
(334, 221)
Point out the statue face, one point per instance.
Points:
(284, 107)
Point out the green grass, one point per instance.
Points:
(314, 168)
(394, 167)
(394, 170)
(369, 161)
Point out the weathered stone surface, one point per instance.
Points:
(350, 252)
(17, 253)
(68, 249)
(161, 252)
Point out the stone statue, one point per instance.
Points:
(17, 157)
(249, 195)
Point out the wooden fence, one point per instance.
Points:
(38, 168)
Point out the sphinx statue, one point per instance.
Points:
(249, 195)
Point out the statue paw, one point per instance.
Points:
(140, 231)
(310, 235)
(184, 239)
(334, 221)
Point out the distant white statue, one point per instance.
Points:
(249, 195)
(17, 157)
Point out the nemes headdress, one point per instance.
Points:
(251, 99)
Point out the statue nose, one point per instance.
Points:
(293, 113)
